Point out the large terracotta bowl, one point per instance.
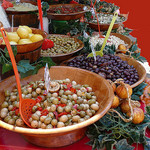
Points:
(66, 135)
(62, 57)
(24, 48)
(131, 61)
(104, 27)
(70, 16)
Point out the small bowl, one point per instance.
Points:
(104, 27)
(71, 16)
(131, 61)
(62, 57)
(58, 137)
(24, 48)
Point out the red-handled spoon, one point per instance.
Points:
(40, 14)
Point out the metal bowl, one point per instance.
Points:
(58, 137)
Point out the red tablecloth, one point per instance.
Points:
(14, 141)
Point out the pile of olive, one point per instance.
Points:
(109, 66)
(71, 104)
(62, 45)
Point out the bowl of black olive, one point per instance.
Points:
(111, 67)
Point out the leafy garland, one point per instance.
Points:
(111, 132)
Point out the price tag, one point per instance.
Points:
(93, 51)
(47, 78)
(85, 34)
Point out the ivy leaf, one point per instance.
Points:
(133, 48)
(109, 143)
(26, 74)
(14, 49)
(24, 67)
(123, 145)
(147, 146)
(47, 60)
(148, 109)
(142, 59)
(135, 97)
(37, 67)
(6, 67)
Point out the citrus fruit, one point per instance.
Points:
(13, 36)
(36, 38)
(28, 28)
(12, 43)
(23, 32)
(24, 41)
(30, 34)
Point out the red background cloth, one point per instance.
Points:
(138, 20)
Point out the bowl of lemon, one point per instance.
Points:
(25, 38)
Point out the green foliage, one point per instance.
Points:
(111, 131)
(24, 67)
(138, 91)
(45, 6)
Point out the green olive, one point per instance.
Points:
(34, 108)
(7, 93)
(54, 122)
(5, 104)
(47, 120)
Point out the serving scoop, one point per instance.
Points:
(106, 37)
(25, 105)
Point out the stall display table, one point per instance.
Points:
(14, 141)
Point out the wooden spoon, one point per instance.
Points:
(25, 105)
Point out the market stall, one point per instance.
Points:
(77, 82)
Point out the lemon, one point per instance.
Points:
(24, 41)
(30, 34)
(13, 36)
(23, 32)
(12, 43)
(36, 38)
(28, 28)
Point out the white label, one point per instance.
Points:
(93, 51)
(47, 78)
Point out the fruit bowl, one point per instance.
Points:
(131, 61)
(58, 58)
(65, 16)
(24, 48)
(58, 137)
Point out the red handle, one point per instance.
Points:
(40, 14)
(97, 19)
(12, 60)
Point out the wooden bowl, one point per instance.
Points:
(140, 69)
(62, 57)
(24, 48)
(124, 38)
(58, 137)
(70, 16)
(29, 18)
(104, 27)
(131, 61)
